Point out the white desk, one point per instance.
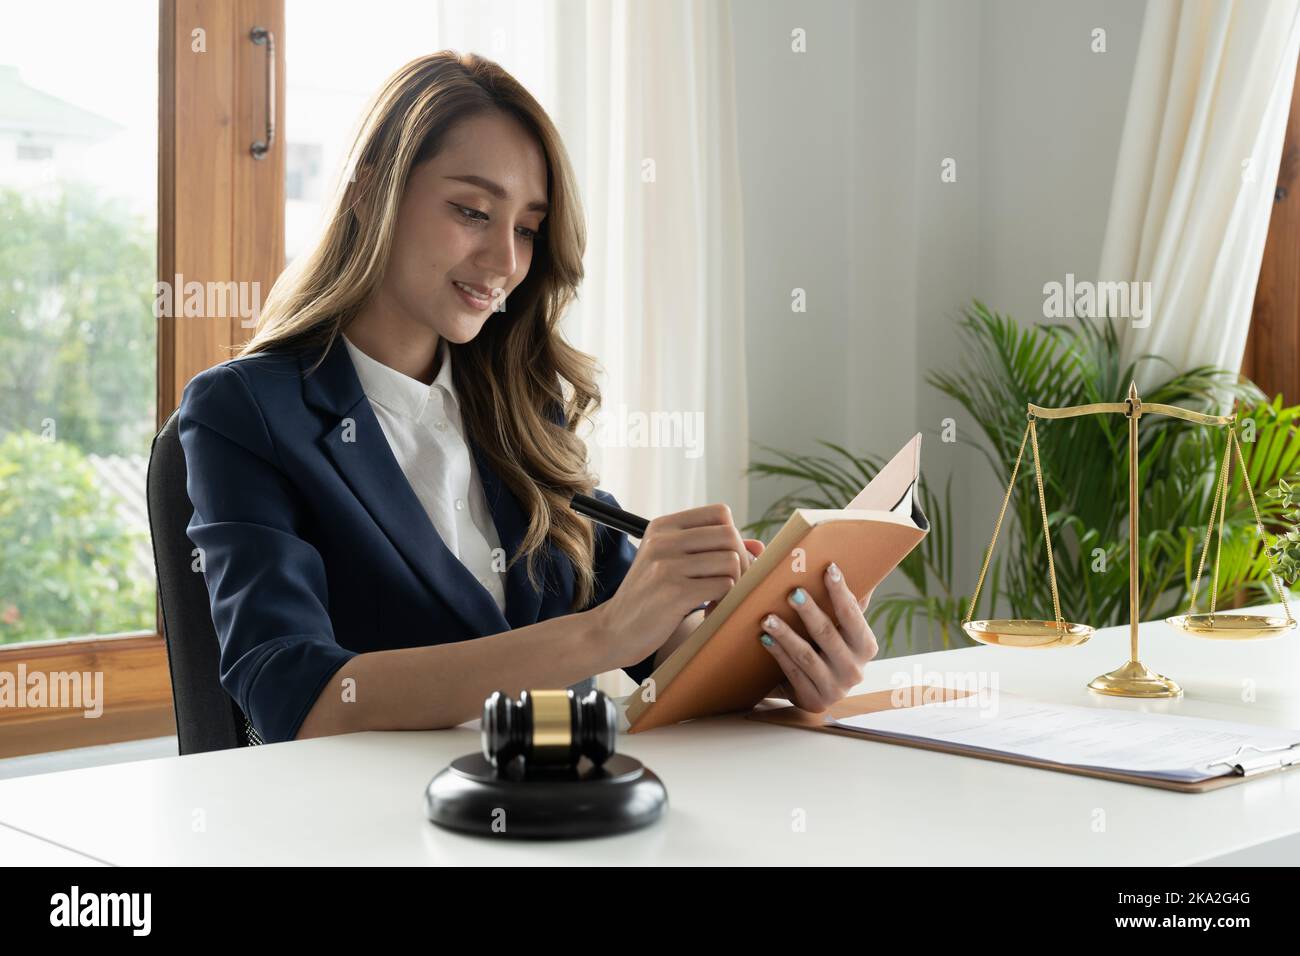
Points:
(23, 849)
(735, 787)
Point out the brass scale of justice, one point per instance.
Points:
(1132, 679)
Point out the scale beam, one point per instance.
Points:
(1122, 408)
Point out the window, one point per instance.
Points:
(34, 152)
(78, 244)
(302, 173)
(146, 111)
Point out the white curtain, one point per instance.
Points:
(642, 93)
(1197, 167)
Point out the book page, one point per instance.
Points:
(904, 506)
(882, 492)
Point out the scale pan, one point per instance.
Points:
(1231, 627)
(1019, 632)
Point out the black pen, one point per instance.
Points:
(608, 515)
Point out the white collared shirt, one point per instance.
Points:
(423, 426)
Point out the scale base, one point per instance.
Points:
(472, 796)
(1135, 679)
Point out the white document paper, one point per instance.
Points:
(1155, 745)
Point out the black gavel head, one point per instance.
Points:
(550, 728)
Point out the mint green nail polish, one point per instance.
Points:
(798, 596)
(765, 640)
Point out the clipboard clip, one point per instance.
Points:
(1271, 758)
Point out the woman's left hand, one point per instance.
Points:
(821, 671)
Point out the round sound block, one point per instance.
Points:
(472, 796)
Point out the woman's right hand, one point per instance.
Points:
(685, 559)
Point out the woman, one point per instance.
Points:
(381, 478)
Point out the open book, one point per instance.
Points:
(722, 667)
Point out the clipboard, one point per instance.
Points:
(787, 715)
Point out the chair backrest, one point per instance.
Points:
(206, 716)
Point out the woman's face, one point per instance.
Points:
(468, 216)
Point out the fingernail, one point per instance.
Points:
(798, 596)
(834, 571)
(771, 622)
(765, 640)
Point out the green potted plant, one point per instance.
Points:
(1005, 367)
(1285, 549)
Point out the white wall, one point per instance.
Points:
(841, 149)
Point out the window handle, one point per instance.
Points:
(261, 35)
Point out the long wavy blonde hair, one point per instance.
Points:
(514, 375)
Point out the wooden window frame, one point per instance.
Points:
(220, 219)
(1272, 358)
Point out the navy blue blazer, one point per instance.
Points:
(315, 547)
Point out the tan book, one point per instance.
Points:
(722, 667)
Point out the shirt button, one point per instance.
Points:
(441, 426)
(460, 504)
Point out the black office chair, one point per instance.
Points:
(206, 716)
